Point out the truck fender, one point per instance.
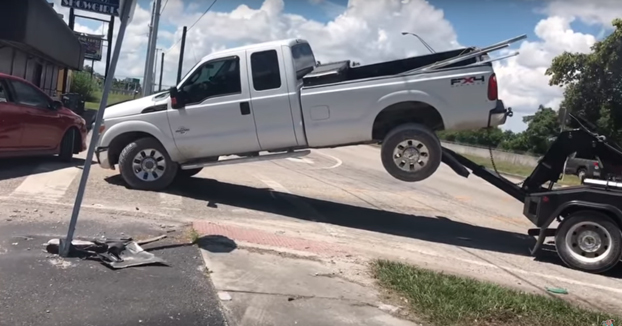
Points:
(410, 96)
(142, 126)
(579, 205)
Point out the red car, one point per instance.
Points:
(32, 124)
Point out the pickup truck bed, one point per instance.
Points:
(341, 71)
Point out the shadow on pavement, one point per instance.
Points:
(217, 244)
(440, 230)
(11, 168)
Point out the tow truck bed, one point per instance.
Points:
(589, 236)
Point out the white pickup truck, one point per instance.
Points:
(273, 100)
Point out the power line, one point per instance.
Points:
(163, 7)
(189, 28)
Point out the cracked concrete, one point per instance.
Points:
(267, 288)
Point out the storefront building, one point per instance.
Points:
(37, 45)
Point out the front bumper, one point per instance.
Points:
(499, 114)
(101, 153)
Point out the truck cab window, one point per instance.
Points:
(214, 78)
(265, 69)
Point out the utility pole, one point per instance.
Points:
(155, 70)
(161, 72)
(181, 54)
(153, 38)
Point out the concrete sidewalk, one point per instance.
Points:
(267, 281)
(37, 288)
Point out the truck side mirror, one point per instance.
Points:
(177, 100)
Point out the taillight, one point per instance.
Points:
(493, 93)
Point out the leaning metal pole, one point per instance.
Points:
(125, 10)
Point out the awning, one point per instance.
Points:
(35, 27)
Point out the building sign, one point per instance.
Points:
(106, 7)
(92, 46)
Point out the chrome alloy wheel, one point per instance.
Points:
(410, 155)
(149, 165)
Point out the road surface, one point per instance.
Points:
(342, 196)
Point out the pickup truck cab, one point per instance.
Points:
(273, 97)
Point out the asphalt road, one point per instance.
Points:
(341, 195)
(37, 288)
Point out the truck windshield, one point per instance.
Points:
(304, 60)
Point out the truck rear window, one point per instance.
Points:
(265, 70)
(304, 60)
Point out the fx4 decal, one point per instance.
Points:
(468, 80)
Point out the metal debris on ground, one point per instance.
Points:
(117, 253)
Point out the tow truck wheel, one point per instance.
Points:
(411, 152)
(589, 241)
(145, 165)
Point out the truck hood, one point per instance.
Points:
(133, 107)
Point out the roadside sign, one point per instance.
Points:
(106, 7)
(93, 45)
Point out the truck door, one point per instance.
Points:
(217, 119)
(270, 99)
(43, 127)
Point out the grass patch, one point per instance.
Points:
(112, 99)
(450, 300)
(193, 235)
(517, 169)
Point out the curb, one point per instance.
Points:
(246, 235)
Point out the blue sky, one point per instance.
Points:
(475, 27)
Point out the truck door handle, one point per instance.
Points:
(245, 108)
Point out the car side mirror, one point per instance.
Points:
(177, 98)
(57, 105)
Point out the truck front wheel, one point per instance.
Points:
(411, 152)
(589, 241)
(145, 165)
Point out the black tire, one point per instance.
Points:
(581, 174)
(566, 252)
(419, 133)
(188, 173)
(127, 171)
(67, 144)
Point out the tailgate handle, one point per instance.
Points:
(245, 108)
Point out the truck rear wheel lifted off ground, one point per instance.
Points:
(411, 152)
(145, 165)
(590, 241)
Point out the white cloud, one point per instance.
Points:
(365, 31)
(522, 82)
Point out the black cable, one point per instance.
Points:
(492, 160)
(163, 7)
(188, 30)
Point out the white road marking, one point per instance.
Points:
(300, 160)
(337, 160)
(170, 201)
(46, 184)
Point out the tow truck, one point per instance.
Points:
(588, 236)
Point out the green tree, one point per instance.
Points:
(593, 82)
(542, 126)
(82, 83)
